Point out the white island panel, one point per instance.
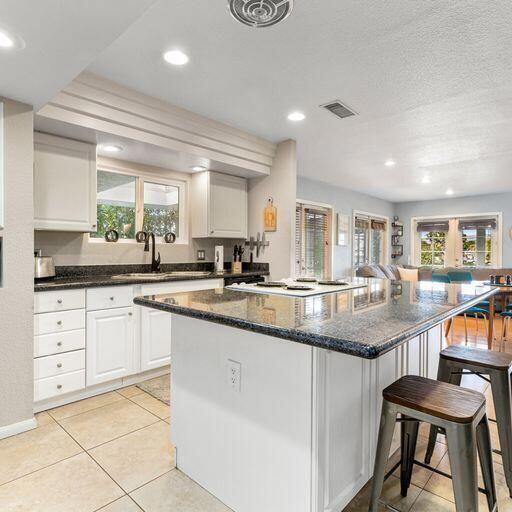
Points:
(250, 448)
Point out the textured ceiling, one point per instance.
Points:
(431, 80)
(61, 38)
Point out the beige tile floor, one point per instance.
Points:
(109, 453)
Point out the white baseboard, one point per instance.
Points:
(17, 428)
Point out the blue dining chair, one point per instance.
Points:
(440, 278)
(460, 276)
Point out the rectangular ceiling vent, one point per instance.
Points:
(338, 109)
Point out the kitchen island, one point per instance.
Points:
(276, 400)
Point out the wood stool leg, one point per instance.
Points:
(500, 386)
(483, 442)
(409, 438)
(462, 453)
(386, 429)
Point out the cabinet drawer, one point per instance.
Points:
(46, 323)
(48, 344)
(45, 302)
(109, 297)
(59, 385)
(50, 366)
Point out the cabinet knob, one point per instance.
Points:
(59, 386)
(111, 298)
(94, 225)
(130, 313)
(59, 343)
(59, 322)
(59, 365)
(59, 301)
(211, 232)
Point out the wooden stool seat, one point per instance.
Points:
(488, 359)
(438, 399)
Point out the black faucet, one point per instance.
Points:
(143, 236)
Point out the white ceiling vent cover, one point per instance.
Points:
(260, 13)
(338, 109)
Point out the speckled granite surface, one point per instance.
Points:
(69, 278)
(365, 322)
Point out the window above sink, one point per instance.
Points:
(129, 202)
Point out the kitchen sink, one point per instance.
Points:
(161, 275)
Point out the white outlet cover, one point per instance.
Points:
(234, 375)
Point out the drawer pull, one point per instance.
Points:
(59, 365)
(59, 322)
(59, 386)
(130, 313)
(59, 343)
(111, 298)
(59, 301)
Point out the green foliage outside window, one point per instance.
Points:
(161, 220)
(120, 218)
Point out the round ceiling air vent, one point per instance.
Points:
(260, 13)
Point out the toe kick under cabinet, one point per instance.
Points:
(88, 337)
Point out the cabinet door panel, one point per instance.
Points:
(64, 184)
(155, 339)
(110, 347)
(228, 206)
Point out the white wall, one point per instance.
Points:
(17, 291)
(457, 206)
(281, 185)
(342, 201)
(76, 249)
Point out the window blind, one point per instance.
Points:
(311, 241)
(433, 225)
(477, 224)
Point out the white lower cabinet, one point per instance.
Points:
(110, 344)
(155, 340)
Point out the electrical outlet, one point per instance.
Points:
(235, 375)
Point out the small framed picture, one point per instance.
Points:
(343, 229)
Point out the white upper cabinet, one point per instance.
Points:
(219, 206)
(64, 184)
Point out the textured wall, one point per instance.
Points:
(17, 291)
(282, 186)
(456, 206)
(343, 201)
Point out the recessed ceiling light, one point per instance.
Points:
(176, 57)
(296, 116)
(198, 168)
(425, 180)
(111, 148)
(390, 163)
(449, 192)
(6, 41)
(10, 42)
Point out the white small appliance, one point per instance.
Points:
(219, 258)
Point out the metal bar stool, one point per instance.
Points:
(494, 367)
(460, 413)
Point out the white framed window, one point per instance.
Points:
(370, 239)
(130, 202)
(464, 241)
(313, 240)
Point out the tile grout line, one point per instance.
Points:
(142, 407)
(83, 412)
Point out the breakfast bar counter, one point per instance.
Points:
(276, 399)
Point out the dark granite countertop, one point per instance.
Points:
(69, 278)
(364, 322)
